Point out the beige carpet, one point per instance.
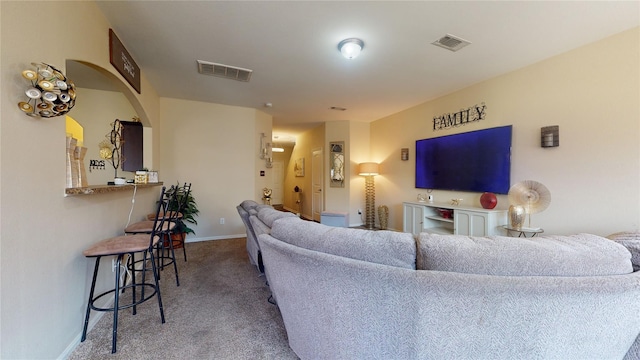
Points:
(219, 311)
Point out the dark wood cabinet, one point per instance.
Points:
(131, 146)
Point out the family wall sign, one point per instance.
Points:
(462, 117)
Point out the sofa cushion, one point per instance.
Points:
(381, 247)
(258, 226)
(268, 215)
(575, 255)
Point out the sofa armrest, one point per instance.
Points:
(631, 241)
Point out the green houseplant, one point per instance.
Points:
(189, 213)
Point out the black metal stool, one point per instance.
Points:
(177, 209)
(164, 248)
(120, 246)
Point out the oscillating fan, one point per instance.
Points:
(532, 195)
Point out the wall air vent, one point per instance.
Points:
(225, 71)
(451, 42)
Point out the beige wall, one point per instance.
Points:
(305, 144)
(592, 93)
(336, 199)
(287, 193)
(359, 152)
(44, 278)
(216, 148)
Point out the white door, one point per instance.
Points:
(317, 198)
(277, 186)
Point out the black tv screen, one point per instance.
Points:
(476, 161)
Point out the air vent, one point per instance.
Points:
(451, 42)
(225, 71)
(338, 108)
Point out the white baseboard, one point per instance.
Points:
(218, 237)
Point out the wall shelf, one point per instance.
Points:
(105, 189)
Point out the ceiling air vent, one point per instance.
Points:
(225, 71)
(451, 42)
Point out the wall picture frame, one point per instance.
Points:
(336, 164)
(298, 167)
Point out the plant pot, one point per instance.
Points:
(177, 239)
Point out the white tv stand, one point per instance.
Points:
(473, 221)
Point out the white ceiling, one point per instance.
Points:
(291, 46)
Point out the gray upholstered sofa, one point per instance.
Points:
(248, 211)
(358, 294)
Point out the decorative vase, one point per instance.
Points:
(72, 172)
(488, 200)
(79, 155)
(383, 216)
(516, 216)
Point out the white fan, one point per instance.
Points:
(530, 194)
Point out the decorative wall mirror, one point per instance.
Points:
(336, 158)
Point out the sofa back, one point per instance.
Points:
(554, 255)
(269, 215)
(380, 247)
(335, 307)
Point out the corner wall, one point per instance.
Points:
(215, 148)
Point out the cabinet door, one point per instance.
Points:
(413, 218)
(478, 224)
(461, 222)
(470, 223)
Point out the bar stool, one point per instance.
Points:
(165, 256)
(120, 246)
(182, 197)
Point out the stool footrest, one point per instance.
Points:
(124, 306)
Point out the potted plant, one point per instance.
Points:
(189, 213)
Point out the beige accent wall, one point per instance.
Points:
(216, 148)
(592, 93)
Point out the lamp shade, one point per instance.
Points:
(368, 169)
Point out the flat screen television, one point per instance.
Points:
(476, 161)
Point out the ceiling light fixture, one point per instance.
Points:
(350, 48)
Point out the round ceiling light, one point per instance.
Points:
(350, 48)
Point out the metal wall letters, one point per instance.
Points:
(462, 117)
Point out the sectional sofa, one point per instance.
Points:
(358, 294)
(248, 211)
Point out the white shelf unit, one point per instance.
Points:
(425, 217)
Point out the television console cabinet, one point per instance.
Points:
(442, 218)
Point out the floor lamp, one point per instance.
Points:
(369, 170)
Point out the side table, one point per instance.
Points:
(523, 232)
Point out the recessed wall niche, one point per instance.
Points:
(102, 98)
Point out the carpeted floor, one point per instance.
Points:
(219, 311)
